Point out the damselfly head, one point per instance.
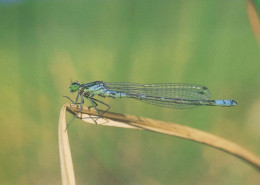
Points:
(74, 86)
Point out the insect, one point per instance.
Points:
(170, 95)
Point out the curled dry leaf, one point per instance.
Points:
(135, 122)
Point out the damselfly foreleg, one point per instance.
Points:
(80, 109)
(71, 100)
(76, 101)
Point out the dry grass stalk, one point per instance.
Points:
(253, 16)
(129, 121)
(67, 171)
(135, 122)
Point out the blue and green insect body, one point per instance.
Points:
(168, 95)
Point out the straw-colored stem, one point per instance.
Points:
(124, 120)
(67, 171)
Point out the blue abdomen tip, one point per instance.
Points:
(226, 102)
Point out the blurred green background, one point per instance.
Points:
(44, 44)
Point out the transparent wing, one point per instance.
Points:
(171, 95)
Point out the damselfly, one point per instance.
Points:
(170, 95)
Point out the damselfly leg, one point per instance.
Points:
(68, 98)
(71, 100)
(94, 104)
(76, 102)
